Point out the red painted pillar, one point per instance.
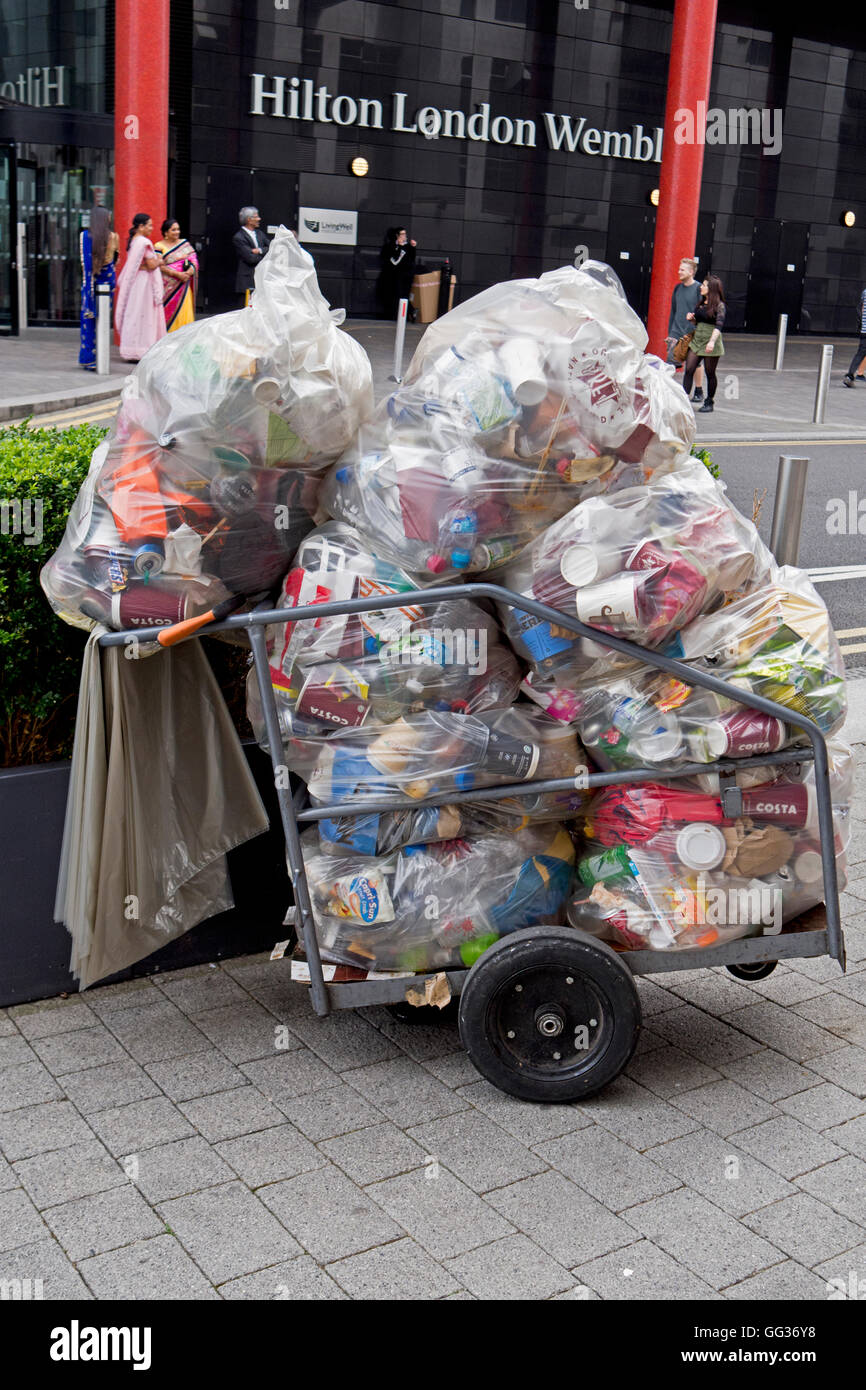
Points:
(682, 163)
(140, 113)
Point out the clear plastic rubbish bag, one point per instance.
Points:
(210, 474)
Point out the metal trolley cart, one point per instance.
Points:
(547, 1013)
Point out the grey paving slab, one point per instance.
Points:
(783, 1282)
(325, 1114)
(560, 1217)
(822, 968)
(707, 1241)
(199, 1074)
(453, 1069)
(14, 1052)
(8, 1177)
(289, 1074)
(228, 1231)
(227, 1114)
(48, 1269)
(580, 1293)
(724, 1106)
(529, 1123)
(853, 985)
(714, 991)
(846, 1067)
(806, 1229)
(842, 1185)
(344, 1039)
(129, 1129)
(153, 1032)
(667, 1070)
(769, 1074)
(85, 1047)
(788, 987)
(655, 998)
(420, 1041)
(147, 1270)
(246, 1031)
(787, 1146)
(715, 1167)
(35, 1129)
(200, 988)
(114, 1083)
(49, 1016)
(270, 1155)
(476, 1150)
(784, 1030)
(20, 1222)
(184, 1165)
(642, 1273)
(844, 1275)
(698, 1033)
(637, 1115)
(7, 1027)
(128, 994)
(606, 1168)
(380, 1151)
(823, 1105)
(837, 1012)
(63, 1174)
(330, 1215)
(512, 1268)
(850, 1136)
(404, 1091)
(400, 1271)
(27, 1083)
(298, 1280)
(439, 1211)
(92, 1225)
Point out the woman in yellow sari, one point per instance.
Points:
(179, 276)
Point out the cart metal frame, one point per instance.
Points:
(815, 933)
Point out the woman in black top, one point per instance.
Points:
(706, 345)
(398, 271)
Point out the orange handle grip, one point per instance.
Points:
(178, 632)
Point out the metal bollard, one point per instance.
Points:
(788, 508)
(103, 329)
(402, 312)
(781, 335)
(823, 384)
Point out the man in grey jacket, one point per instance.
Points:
(250, 246)
(683, 300)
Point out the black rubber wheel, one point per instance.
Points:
(549, 1014)
(423, 1013)
(759, 971)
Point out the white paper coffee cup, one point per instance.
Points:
(612, 603)
(521, 359)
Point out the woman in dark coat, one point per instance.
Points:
(398, 271)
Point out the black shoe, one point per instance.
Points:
(847, 379)
(699, 394)
(705, 408)
(859, 376)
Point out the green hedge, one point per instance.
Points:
(707, 460)
(40, 656)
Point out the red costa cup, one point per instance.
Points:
(744, 733)
(146, 606)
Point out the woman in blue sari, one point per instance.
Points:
(99, 251)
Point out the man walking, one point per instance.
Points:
(683, 300)
(250, 245)
(848, 378)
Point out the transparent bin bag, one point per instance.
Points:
(428, 907)
(429, 754)
(367, 668)
(382, 832)
(530, 397)
(777, 642)
(210, 474)
(662, 867)
(639, 564)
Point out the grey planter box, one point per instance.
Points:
(34, 949)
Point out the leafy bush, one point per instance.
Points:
(706, 459)
(40, 656)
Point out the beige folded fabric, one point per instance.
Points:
(159, 791)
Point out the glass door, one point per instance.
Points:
(8, 234)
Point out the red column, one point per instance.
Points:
(682, 163)
(140, 112)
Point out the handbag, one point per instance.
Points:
(681, 347)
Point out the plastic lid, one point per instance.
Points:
(579, 565)
(414, 849)
(437, 563)
(371, 644)
(464, 780)
(659, 743)
(460, 558)
(343, 474)
(808, 867)
(701, 846)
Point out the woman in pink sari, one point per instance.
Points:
(138, 315)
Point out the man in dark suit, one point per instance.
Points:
(250, 245)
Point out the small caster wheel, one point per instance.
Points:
(549, 1014)
(758, 971)
(423, 1013)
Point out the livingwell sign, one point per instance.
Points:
(298, 99)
